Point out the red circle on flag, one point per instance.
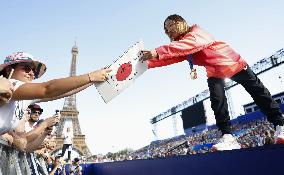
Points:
(123, 71)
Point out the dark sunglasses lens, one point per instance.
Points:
(28, 69)
(36, 112)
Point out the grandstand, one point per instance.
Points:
(252, 107)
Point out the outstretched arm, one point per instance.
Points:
(75, 91)
(57, 87)
(187, 45)
(178, 51)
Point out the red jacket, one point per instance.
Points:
(219, 59)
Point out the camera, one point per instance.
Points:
(56, 115)
(56, 112)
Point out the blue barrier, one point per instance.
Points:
(206, 145)
(260, 160)
(247, 117)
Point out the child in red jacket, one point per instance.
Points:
(198, 47)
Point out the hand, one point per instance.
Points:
(193, 74)
(6, 90)
(40, 151)
(48, 130)
(8, 138)
(148, 54)
(99, 75)
(51, 121)
(6, 85)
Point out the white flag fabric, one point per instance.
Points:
(125, 70)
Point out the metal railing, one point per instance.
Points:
(12, 161)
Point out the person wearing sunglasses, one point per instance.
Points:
(24, 69)
(35, 113)
(34, 126)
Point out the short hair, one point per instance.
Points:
(76, 159)
(174, 17)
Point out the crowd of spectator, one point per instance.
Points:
(250, 134)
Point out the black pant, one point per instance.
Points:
(65, 146)
(254, 87)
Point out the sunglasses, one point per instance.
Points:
(27, 68)
(36, 112)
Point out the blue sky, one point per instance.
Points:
(105, 29)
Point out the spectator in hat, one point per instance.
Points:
(35, 113)
(34, 126)
(32, 134)
(26, 69)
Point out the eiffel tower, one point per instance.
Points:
(69, 114)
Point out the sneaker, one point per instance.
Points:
(279, 135)
(227, 142)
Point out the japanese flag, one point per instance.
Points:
(125, 70)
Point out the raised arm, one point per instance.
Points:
(49, 122)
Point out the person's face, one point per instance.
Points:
(24, 72)
(174, 29)
(35, 114)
